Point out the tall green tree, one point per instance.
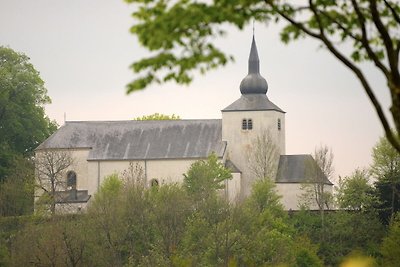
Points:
(355, 192)
(386, 169)
(181, 36)
(23, 122)
(205, 177)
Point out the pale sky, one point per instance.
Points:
(83, 50)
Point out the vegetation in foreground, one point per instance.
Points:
(128, 224)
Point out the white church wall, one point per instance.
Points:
(99, 170)
(168, 171)
(78, 165)
(291, 195)
(239, 141)
(232, 188)
(165, 171)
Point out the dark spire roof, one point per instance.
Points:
(253, 83)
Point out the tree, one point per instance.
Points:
(158, 117)
(319, 172)
(51, 175)
(181, 34)
(355, 192)
(23, 123)
(205, 177)
(386, 169)
(16, 192)
(391, 243)
(263, 156)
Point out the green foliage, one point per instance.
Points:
(23, 123)
(391, 243)
(181, 35)
(355, 192)
(386, 169)
(182, 31)
(110, 187)
(158, 117)
(205, 177)
(343, 233)
(16, 192)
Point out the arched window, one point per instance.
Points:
(71, 179)
(279, 124)
(249, 124)
(244, 124)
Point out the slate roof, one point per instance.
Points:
(298, 169)
(72, 196)
(138, 140)
(252, 102)
(229, 165)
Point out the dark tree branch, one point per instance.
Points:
(365, 41)
(321, 36)
(387, 40)
(394, 13)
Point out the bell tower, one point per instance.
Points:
(251, 116)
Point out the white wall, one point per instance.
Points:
(240, 141)
(165, 171)
(291, 195)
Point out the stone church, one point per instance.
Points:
(165, 149)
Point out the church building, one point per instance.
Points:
(249, 140)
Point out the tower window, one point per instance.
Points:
(249, 124)
(244, 124)
(71, 179)
(279, 124)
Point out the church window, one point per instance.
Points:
(244, 124)
(279, 124)
(71, 179)
(249, 124)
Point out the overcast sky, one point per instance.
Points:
(83, 50)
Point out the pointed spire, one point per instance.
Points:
(254, 83)
(254, 62)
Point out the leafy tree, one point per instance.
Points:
(158, 117)
(268, 237)
(170, 209)
(16, 192)
(355, 192)
(343, 233)
(391, 243)
(56, 241)
(205, 177)
(181, 33)
(23, 123)
(386, 169)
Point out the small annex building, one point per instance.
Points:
(165, 149)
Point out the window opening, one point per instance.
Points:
(279, 124)
(71, 179)
(244, 124)
(250, 124)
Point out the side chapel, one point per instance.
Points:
(165, 149)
